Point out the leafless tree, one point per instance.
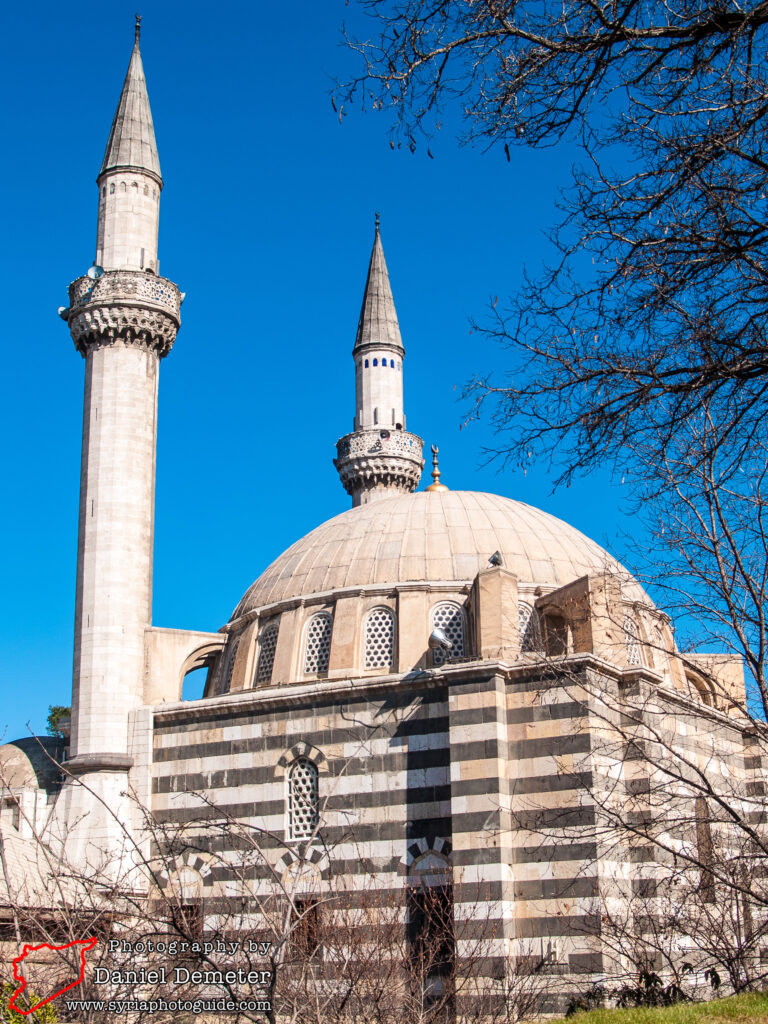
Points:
(309, 944)
(644, 345)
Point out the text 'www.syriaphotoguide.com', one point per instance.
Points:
(163, 1005)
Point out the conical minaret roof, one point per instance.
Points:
(132, 139)
(378, 319)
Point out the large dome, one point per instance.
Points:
(438, 535)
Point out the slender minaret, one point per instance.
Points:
(123, 319)
(379, 458)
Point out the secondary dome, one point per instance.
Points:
(444, 535)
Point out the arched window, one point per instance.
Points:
(449, 617)
(317, 644)
(632, 641)
(267, 642)
(104, 190)
(135, 187)
(112, 189)
(146, 190)
(379, 644)
(366, 364)
(530, 630)
(226, 681)
(375, 362)
(123, 187)
(392, 363)
(303, 799)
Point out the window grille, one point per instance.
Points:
(303, 810)
(450, 618)
(227, 680)
(267, 644)
(633, 643)
(380, 638)
(530, 629)
(317, 644)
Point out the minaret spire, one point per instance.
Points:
(379, 458)
(378, 318)
(129, 180)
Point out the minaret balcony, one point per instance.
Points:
(380, 441)
(126, 286)
(131, 306)
(378, 462)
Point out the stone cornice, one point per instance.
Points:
(341, 690)
(82, 763)
(129, 169)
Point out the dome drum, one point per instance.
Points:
(492, 615)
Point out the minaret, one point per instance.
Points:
(123, 319)
(379, 458)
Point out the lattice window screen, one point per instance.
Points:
(380, 638)
(267, 645)
(530, 628)
(303, 799)
(317, 644)
(450, 618)
(227, 680)
(633, 643)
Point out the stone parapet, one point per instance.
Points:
(127, 306)
(378, 463)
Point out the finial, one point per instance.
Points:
(138, 29)
(436, 486)
(378, 219)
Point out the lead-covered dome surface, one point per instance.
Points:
(444, 535)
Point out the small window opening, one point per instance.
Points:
(226, 681)
(380, 638)
(305, 927)
(633, 641)
(392, 363)
(375, 362)
(267, 645)
(366, 364)
(317, 644)
(448, 617)
(556, 635)
(123, 187)
(530, 630)
(112, 188)
(303, 799)
(432, 940)
(9, 813)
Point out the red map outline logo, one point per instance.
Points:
(87, 944)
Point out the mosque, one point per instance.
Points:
(405, 694)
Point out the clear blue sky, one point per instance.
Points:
(267, 223)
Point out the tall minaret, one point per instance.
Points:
(379, 458)
(123, 319)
